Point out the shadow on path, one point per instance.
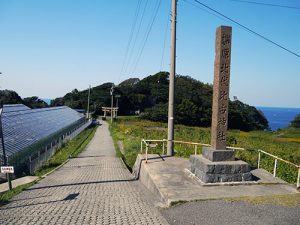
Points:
(81, 183)
(22, 199)
(88, 156)
(70, 197)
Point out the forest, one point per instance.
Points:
(149, 98)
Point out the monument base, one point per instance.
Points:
(222, 171)
(218, 155)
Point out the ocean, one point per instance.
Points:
(279, 117)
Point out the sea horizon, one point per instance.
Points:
(279, 117)
(278, 107)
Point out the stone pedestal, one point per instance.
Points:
(221, 171)
(215, 166)
(218, 155)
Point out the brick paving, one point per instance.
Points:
(94, 188)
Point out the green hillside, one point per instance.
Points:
(149, 96)
(12, 97)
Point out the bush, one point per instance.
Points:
(296, 122)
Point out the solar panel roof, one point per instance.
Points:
(15, 107)
(23, 126)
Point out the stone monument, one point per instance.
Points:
(217, 164)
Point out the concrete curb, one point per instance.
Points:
(147, 180)
(124, 164)
(18, 182)
(56, 168)
(141, 173)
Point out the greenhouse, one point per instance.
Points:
(33, 135)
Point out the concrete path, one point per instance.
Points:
(17, 182)
(94, 188)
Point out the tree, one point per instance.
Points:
(10, 97)
(34, 102)
(296, 122)
(187, 113)
(244, 117)
(157, 113)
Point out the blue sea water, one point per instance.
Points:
(279, 117)
(47, 100)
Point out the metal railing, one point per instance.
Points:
(276, 158)
(149, 143)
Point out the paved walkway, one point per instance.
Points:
(94, 188)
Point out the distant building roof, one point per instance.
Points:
(15, 107)
(80, 110)
(22, 126)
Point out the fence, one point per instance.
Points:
(32, 157)
(276, 158)
(149, 144)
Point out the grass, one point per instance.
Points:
(280, 143)
(70, 149)
(287, 200)
(290, 200)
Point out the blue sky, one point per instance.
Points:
(49, 47)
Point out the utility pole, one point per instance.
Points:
(5, 161)
(112, 102)
(88, 105)
(117, 104)
(0, 74)
(170, 147)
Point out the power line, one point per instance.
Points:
(248, 29)
(147, 35)
(206, 10)
(266, 4)
(136, 36)
(165, 39)
(131, 35)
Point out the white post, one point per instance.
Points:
(298, 179)
(258, 163)
(88, 104)
(275, 168)
(39, 154)
(112, 103)
(117, 106)
(142, 146)
(30, 170)
(195, 149)
(163, 147)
